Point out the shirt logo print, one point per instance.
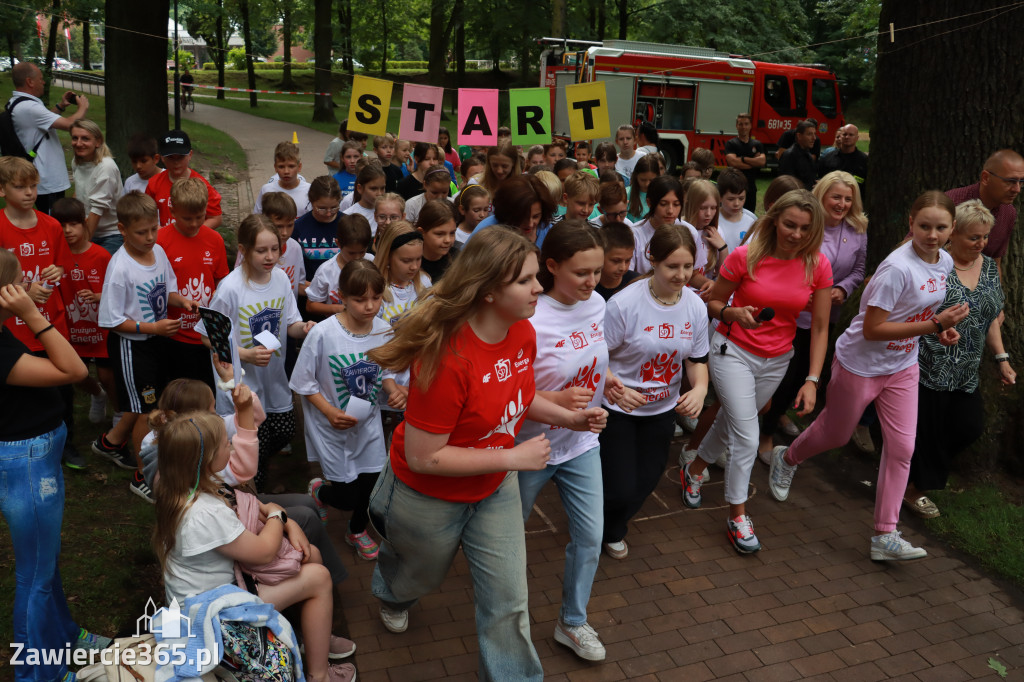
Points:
(503, 369)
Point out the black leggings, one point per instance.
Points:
(947, 423)
(633, 454)
(274, 433)
(353, 496)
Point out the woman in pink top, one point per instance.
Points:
(779, 269)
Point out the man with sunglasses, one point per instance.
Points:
(1002, 177)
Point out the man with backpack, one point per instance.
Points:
(35, 129)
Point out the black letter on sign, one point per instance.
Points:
(368, 112)
(477, 120)
(421, 114)
(587, 106)
(529, 116)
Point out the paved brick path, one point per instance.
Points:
(685, 606)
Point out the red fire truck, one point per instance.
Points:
(692, 94)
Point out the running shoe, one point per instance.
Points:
(741, 535)
(313, 489)
(364, 545)
(120, 455)
(72, 458)
(691, 488)
(98, 407)
(90, 641)
(892, 547)
(582, 639)
(139, 486)
(780, 477)
(617, 550)
(394, 620)
(687, 456)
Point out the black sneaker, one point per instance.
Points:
(140, 488)
(118, 454)
(72, 458)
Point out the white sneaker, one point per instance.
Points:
(98, 407)
(892, 547)
(678, 433)
(582, 639)
(687, 456)
(722, 462)
(780, 478)
(394, 620)
(617, 550)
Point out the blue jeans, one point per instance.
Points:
(32, 502)
(420, 536)
(579, 485)
(111, 242)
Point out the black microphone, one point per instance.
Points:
(766, 314)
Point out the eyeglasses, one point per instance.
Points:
(326, 211)
(387, 218)
(617, 215)
(1009, 181)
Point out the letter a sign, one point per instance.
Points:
(370, 105)
(588, 111)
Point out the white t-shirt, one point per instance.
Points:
(347, 201)
(99, 186)
(462, 237)
(367, 213)
(333, 363)
(642, 233)
(135, 182)
(32, 121)
(324, 287)
(624, 167)
(649, 342)
(911, 290)
(254, 308)
(571, 351)
(415, 205)
(403, 297)
(133, 291)
(194, 565)
(733, 232)
(299, 194)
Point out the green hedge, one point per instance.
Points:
(264, 66)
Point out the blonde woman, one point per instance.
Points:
(97, 183)
(845, 244)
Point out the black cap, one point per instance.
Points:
(174, 142)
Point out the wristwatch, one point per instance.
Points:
(279, 514)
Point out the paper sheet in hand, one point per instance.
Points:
(358, 408)
(267, 340)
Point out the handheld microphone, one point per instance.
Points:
(766, 314)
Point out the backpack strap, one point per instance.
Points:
(9, 108)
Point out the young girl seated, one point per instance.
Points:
(331, 373)
(198, 538)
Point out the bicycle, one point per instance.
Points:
(188, 101)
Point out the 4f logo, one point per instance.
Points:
(503, 369)
(578, 340)
(666, 331)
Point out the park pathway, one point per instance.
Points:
(683, 605)
(258, 137)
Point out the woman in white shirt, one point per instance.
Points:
(97, 183)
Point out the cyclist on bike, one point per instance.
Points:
(186, 80)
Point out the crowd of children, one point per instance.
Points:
(392, 297)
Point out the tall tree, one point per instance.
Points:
(323, 105)
(929, 135)
(345, 19)
(440, 31)
(206, 19)
(286, 45)
(136, 72)
(243, 6)
(51, 48)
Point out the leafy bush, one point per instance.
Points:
(236, 58)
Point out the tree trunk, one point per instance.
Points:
(286, 39)
(384, 37)
(323, 105)
(944, 134)
(438, 47)
(250, 72)
(51, 50)
(623, 18)
(136, 73)
(602, 20)
(220, 55)
(345, 25)
(460, 51)
(86, 46)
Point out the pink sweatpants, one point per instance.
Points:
(895, 397)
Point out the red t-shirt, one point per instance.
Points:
(479, 397)
(87, 273)
(38, 248)
(199, 263)
(159, 188)
(778, 284)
